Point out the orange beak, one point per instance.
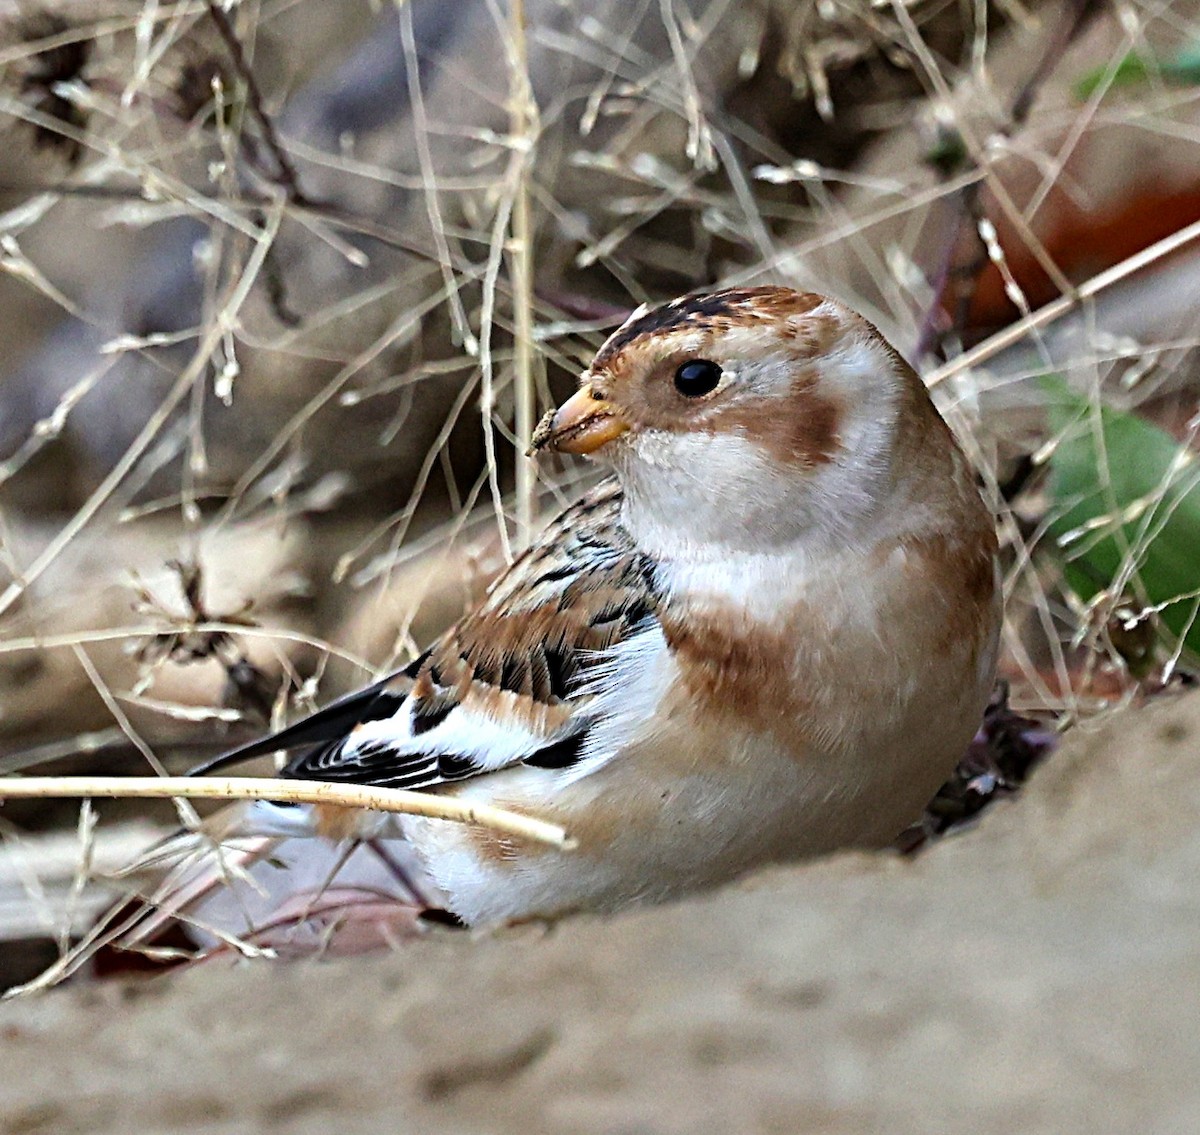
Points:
(582, 424)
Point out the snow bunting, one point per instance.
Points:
(771, 634)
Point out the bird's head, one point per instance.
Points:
(746, 416)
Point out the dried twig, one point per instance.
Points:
(523, 112)
(1065, 304)
(286, 171)
(290, 791)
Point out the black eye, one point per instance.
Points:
(697, 377)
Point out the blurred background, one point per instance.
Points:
(285, 283)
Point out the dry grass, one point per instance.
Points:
(348, 348)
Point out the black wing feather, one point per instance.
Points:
(329, 724)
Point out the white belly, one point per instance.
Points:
(667, 819)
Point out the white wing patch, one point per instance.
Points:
(626, 687)
(465, 733)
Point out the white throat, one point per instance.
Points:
(696, 498)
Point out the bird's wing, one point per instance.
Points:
(512, 682)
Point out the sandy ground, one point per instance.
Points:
(1038, 974)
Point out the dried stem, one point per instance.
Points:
(1065, 304)
(286, 171)
(524, 116)
(289, 791)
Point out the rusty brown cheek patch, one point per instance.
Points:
(805, 433)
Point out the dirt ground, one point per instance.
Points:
(1038, 974)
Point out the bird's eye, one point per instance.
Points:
(697, 377)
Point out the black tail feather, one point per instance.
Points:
(329, 724)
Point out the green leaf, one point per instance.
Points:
(1182, 70)
(1125, 492)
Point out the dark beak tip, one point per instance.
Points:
(542, 434)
